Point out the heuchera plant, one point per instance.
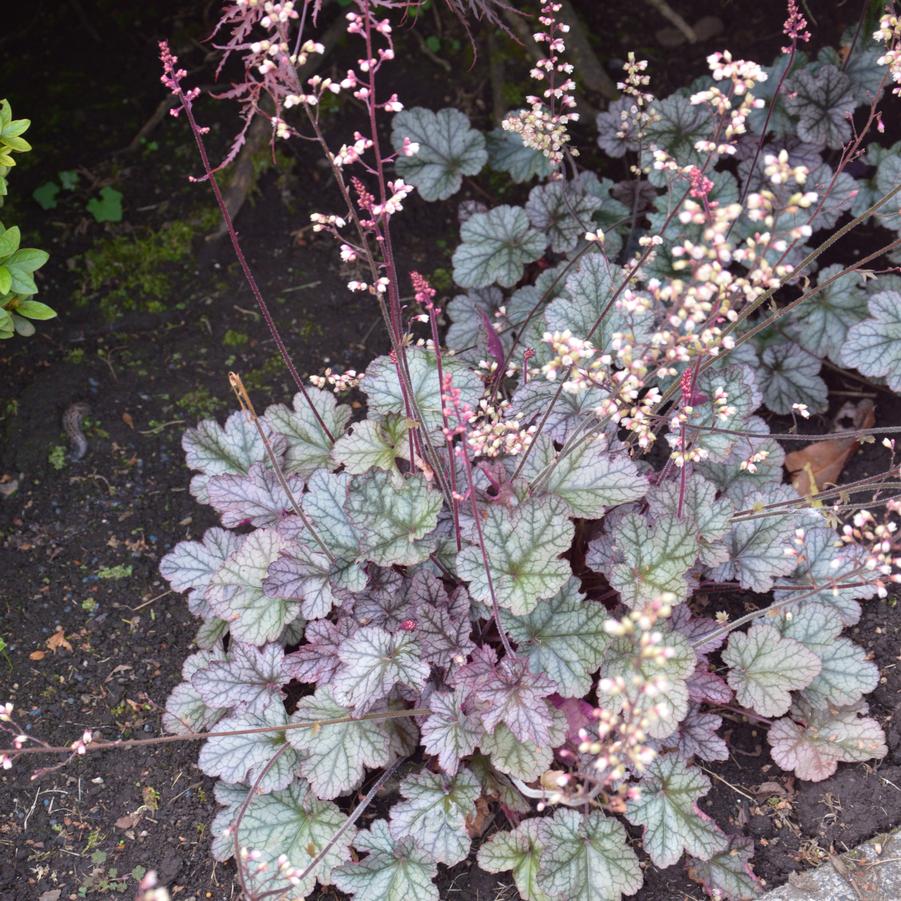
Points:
(406, 592)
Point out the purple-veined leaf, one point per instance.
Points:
(373, 444)
(873, 346)
(302, 574)
(191, 564)
(257, 496)
(710, 516)
(706, 686)
(449, 731)
(185, 710)
(248, 679)
(757, 545)
(814, 747)
(728, 874)
(562, 211)
(698, 736)
(373, 661)
(835, 576)
(523, 760)
(449, 148)
(317, 659)
(442, 624)
(495, 248)
(512, 694)
(383, 391)
(656, 559)
(384, 602)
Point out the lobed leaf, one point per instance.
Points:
(334, 756)
(655, 559)
(373, 661)
(291, 822)
(393, 870)
(383, 390)
(257, 497)
(235, 592)
(495, 248)
(728, 874)
(814, 749)
(392, 516)
(586, 857)
(667, 809)
(243, 758)
(874, 345)
(434, 810)
(766, 667)
(590, 478)
(562, 638)
(249, 678)
(448, 149)
(523, 547)
(308, 445)
(518, 850)
(449, 731)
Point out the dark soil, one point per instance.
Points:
(80, 544)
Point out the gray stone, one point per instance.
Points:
(871, 872)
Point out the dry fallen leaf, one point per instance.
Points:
(58, 640)
(477, 823)
(821, 463)
(126, 418)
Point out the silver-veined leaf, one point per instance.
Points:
(524, 546)
(766, 667)
(668, 810)
(586, 857)
(449, 148)
(334, 756)
(563, 638)
(495, 248)
(393, 869)
(433, 810)
(308, 446)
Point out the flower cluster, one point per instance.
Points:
(881, 543)
(339, 382)
(544, 126)
(743, 77)
(494, 432)
(889, 33)
(795, 27)
(618, 740)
